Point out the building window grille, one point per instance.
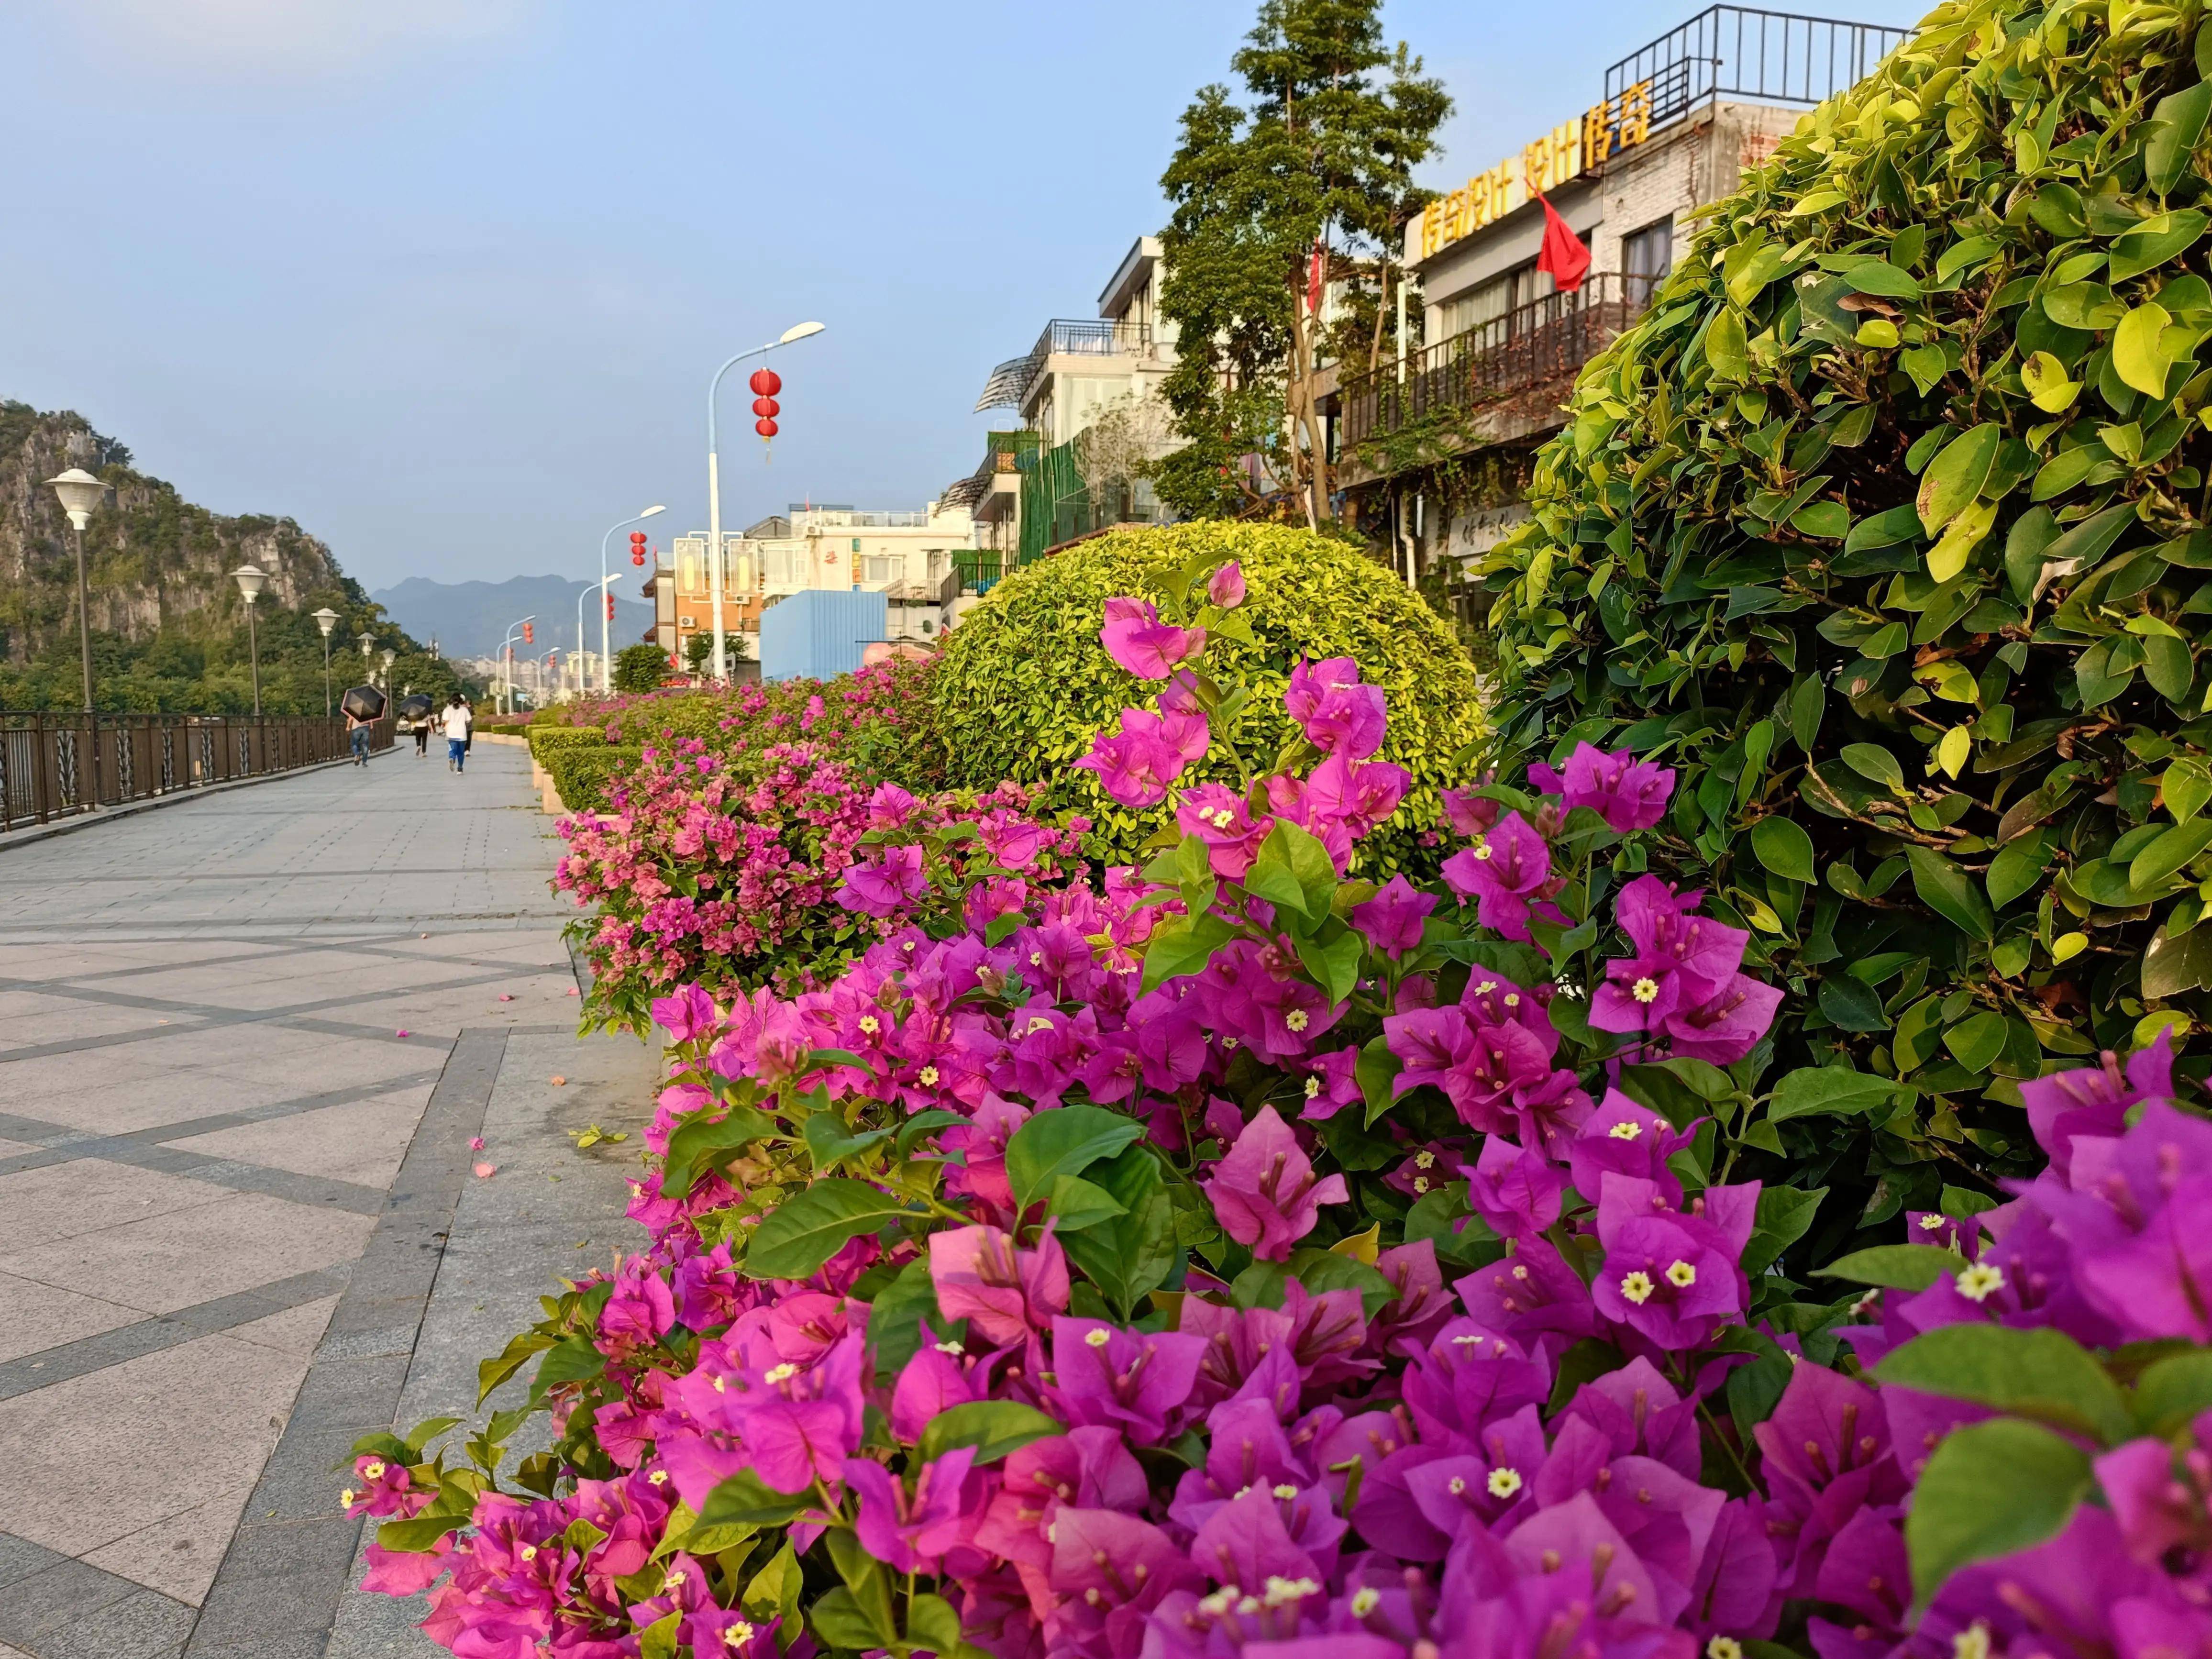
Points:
(1646, 256)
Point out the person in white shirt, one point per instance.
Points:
(454, 720)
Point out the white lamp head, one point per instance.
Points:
(650, 511)
(798, 331)
(79, 494)
(251, 580)
(326, 619)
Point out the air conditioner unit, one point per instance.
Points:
(686, 622)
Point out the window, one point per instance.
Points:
(881, 567)
(1646, 256)
(1494, 303)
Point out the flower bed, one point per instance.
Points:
(1232, 1256)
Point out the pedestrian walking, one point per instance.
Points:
(456, 722)
(421, 735)
(357, 735)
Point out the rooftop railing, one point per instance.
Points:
(1764, 57)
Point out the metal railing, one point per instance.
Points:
(978, 568)
(55, 765)
(1530, 346)
(1741, 52)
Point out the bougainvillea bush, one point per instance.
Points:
(724, 872)
(1888, 525)
(1235, 1256)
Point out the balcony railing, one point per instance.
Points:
(55, 765)
(1741, 52)
(1531, 346)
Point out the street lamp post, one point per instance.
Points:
(326, 619)
(80, 493)
(251, 579)
(507, 659)
(583, 676)
(714, 483)
(606, 662)
(389, 653)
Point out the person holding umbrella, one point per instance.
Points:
(357, 734)
(454, 721)
(364, 706)
(417, 708)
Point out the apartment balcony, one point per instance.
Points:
(1517, 367)
(1013, 382)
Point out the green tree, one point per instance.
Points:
(1318, 154)
(640, 668)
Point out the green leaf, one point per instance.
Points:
(658, 1640)
(1894, 1267)
(2172, 1392)
(1974, 1043)
(1784, 848)
(1869, 275)
(745, 1499)
(994, 1427)
(2168, 666)
(1874, 764)
(1336, 967)
(1065, 1140)
(692, 1141)
(1827, 1091)
(842, 1620)
(1076, 1203)
(1955, 477)
(1183, 946)
(2017, 868)
(829, 1142)
(1805, 704)
(2139, 354)
(1827, 520)
(2174, 130)
(1946, 889)
(931, 1624)
(1133, 1254)
(2185, 787)
(2153, 242)
(895, 1316)
(774, 1590)
(1990, 1489)
(1899, 523)
(807, 1229)
(1786, 1214)
(1726, 348)
(1852, 1005)
(492, 1372)
(2169, 854)
(572, 1360)
(1293, 869)
(2175, 963)
(419, 1532)
(2041, 1374)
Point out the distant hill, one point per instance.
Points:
(468, 619)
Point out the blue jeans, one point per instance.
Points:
(457, 751)
(360, 743)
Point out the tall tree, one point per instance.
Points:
(1318, 154)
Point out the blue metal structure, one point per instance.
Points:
(817, 634)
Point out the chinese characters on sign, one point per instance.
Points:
(1566, 152)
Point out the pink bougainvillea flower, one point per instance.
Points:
(1226, 586)
(1005, 1292)
(1337, 713)
(908, 1532)
(1626, 792)
(1391, 920)
(1136, 638)
(1682, 959)
(1503, 872)
(486, 1171)
(1265, 1191)
(886, 884)
(686, 1016)
(1220, 818)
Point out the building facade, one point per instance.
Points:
(1435, 452)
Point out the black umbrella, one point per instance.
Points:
(416, 707)
(364, 702)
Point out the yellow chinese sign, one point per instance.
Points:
(1565, 153)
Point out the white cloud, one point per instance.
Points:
(289, 39)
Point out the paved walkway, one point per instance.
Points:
(244, 1044)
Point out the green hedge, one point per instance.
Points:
(1023, 683)
(1888, 525)
(544, 739)
(580, 772)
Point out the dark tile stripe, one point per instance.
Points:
(53, 1607)
(48, 1366)
(277, 1594)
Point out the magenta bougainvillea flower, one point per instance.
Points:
(1136, 638)
(1626, 792)
(1266, 1191)
(1503, 872)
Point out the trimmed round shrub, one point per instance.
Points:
(1887, 525)
(1023, 683)
(544, 739)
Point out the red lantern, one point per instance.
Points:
(529, 635)
(765, 427)
(765, 382)
(637, 547)
(767, 406)
(611, 607)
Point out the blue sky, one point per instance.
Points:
(445, 279)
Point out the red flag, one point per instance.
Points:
(1564, 257)
(1314, 276)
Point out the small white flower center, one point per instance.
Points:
(1503, 1483)
(1638, 1288)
